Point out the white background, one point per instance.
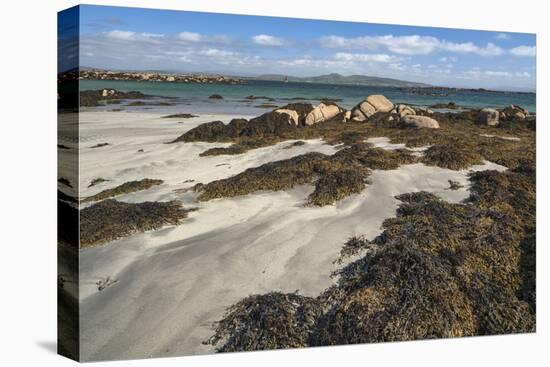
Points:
(28, 181)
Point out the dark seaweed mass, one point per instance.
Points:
(110, 219)
(91, 98)
(438, 270)
(125, 188)
(335, 177)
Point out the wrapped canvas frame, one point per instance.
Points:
(446, 259)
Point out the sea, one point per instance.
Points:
(194, 98)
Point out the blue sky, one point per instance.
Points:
(146, 39)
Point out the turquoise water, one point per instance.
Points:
(194, 97)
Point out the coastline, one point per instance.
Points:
(264, 242)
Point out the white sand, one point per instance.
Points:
(384, 143)
(174, 282)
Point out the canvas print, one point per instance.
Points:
(240, 183)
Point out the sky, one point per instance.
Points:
(242, 45)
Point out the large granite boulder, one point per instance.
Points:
(514, 112)
(420, 122)
(322, 112)
(380, 103)
(488, 116)
(405, 110)
(371, 105)
(293, 117)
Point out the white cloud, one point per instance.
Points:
(123, 35)
(409, 45)
(406, 45)
(214, 52)
(502, 36)
(448, 59)
(384, 58)
(193, 37)
(524, 51)
(190, 37)
(132, 36)
(468, 47)
(479, 74)
(267, 40)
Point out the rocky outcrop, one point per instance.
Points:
(404, 110)
(420, 122)
(423, 111)
(158, 77)
(380, 103)
(321, 113)
(371, 105)
(91, 98)
(293, 117)
(514, 112)
(488, 116)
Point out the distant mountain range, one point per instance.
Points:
(335, 78)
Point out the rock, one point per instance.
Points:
(347, 116)
(404, 110)
(420, 121)
(357, 115)
(215, 96)
(322, 113)
(380, 103)
(488, 116)
(108, 92)
(514, 112)
(371, 105)
(367, 109)
(293, 115)
(519, 115)
(521, 109)
(423, 110)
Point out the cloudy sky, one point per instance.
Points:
(143, 39)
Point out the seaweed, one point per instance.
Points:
(97, 181)
(452, 156)
(64, 181)
(110, 219)
(438, 270)
(273, 176)
(99, 145)
(125, 188)
(270, 321)
(335, 177)
(242, 146)
(454, 185)
(337, 185)
(298, 143)
(180, 116)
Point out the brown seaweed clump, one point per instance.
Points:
(438, 270)
(451, 156)
(125, 188)
(337, 185)
(180, 116)
(262, 322)
(335, 177)
(272, 176)
(110, 219)
(242, 146)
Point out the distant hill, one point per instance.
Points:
(335, 78)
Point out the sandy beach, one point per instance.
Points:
(173, 283)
